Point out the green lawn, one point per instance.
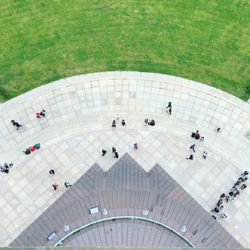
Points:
(45, 40)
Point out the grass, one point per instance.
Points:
(45, 40)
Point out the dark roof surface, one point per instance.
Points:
(126, 190)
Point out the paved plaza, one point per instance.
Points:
(132, 208)
(77, 126)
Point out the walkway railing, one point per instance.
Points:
(125, 218)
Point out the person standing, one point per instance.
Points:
(123, 122)
(116, 155)
(52, 171)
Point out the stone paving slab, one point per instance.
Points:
(78, 124)
(125, 189)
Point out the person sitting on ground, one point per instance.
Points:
(191, 157)
(243, 186)
(222, 196)
(32, 148)
(218, 130)
(245, 179)
(220, 201)
(41, 114)
(27, 151)
(216, 210)
(7, 166)
(66, 184)
(152, 123)
(223, 216)
(196, 135)
(37, 145)
(237, 183)
(113, 124)
(104, 152)
(240, 179)
(123, 122)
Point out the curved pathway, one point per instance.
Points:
(78, 124)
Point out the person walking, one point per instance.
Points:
(113, 124)
(193, 147)
(113, 149)
(27, 151)
(191, 157)
(37, 145)
(55, 186)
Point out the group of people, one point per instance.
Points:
(238, 186)
(55, 185)
(196, 135)
(17, 125)
(117, 118)
(32, 148)
(114, 151)
(6, 168)
(191, 157)
(148, 122)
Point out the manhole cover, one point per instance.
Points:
(247, 134)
